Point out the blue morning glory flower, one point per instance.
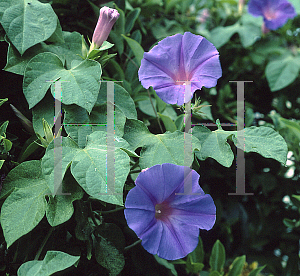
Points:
(275, 12)
(177, 59)
(168, 224)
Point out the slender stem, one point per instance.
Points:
(92, 214)
(155, 111)
(132, 245)
(43, 243)
(112, 211)
(136, 171)
(131, 60)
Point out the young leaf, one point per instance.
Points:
(256, 271)
(237, 266)
(217, 257)
(166, 264)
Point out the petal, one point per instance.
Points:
(151, 75)
(177, 240)
(208, 72)
(191, 178)
(165, 56)
(138, 199)
(196, 50)
(173, 94)
(161, 182)
(139, 220)
(200, 211)
(255, 7)
(151, 239)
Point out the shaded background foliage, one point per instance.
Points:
(263, 226)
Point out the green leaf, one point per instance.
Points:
(80, 85)
(249, 34)
(214, 273)
(119, 26)
(157, 149)
(24, 208)
(166, 264)
(54, 261)
(7, 145)
(60, 207)
(110, 242)
(131, 18)
(88, 166)
(237, 266)
(197, 256)
(214, 144)
(122, 100)
(118, 40)
(281, 73)
(168, 123)
(256, 271)
(166, 28)
(160, 104)
(1, 163)
(204, 111)
(2, 101)
(119, 29)
(68, 51)
(290, 130)
(57, 36)
(297, 197)
(27, 23)
(221, 35)
(264, 141)
(194, 267)
(291, 223)
(250, 30)
(217, 257)
(78, 123)
(179, 122)
(146, 107)
(136, 48)
(84, 224)
(29, 147)
(43, 110)
(3, 128)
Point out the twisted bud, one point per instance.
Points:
(107, 19)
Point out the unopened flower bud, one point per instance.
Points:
(107, 19)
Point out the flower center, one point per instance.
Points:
(162, 211)
(182, 82)
(270, 14)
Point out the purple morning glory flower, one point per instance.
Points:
(178, 59)
(275, 12)
(168, 224)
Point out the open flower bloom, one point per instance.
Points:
(167, 223)
(107, 19)
(275, 12)
(178, 59)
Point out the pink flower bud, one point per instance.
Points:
(107, 19)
